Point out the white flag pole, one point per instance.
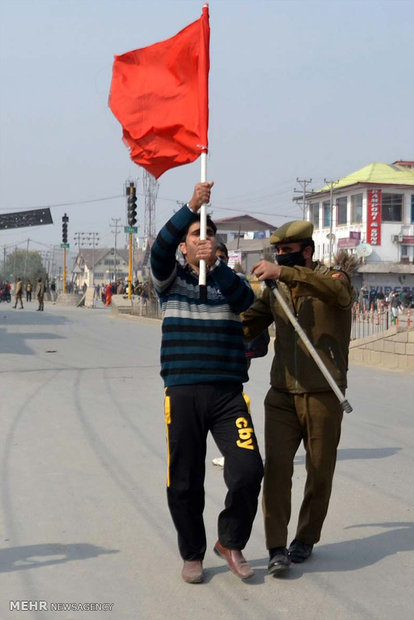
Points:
(203, 225)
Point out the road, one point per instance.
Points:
(83, 515)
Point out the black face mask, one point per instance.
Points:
(292, 259)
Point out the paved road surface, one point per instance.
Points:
(83, 515)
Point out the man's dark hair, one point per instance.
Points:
(221, 246)
(210, 224)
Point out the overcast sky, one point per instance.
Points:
(297, 89)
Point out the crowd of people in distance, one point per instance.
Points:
(373, 297)
(5, 291)
(24, 289)
(105, 291)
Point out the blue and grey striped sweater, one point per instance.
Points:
(201, 342)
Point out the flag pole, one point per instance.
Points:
(203, 231)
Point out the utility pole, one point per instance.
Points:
(115, 230)
(331, 186)
(303, 183)
(77, 239)
(25, 259)
(83, 239)
(150, 186)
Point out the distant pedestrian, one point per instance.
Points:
(396, 306)
(53, 290)
(40, 293)
(108, 294)
(19, 293)
(380, 297)
(28, 291)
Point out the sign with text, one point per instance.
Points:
(23, 219)
(374, 217)
(234, 258)
(131, 229)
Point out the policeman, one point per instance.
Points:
(300, 405)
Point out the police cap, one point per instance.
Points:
(292, 232)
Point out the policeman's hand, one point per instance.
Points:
(265, 270)
(201, 195)
(206, 250)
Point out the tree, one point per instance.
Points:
(23, 264)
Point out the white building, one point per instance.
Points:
(100, 266)
(371, 212)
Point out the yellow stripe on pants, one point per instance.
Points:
(167, 417)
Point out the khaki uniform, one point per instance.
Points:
(300, 404)
(41, 295)
(19, 293)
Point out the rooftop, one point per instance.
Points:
(376, 173)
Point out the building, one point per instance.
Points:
(246, 238)
(100, 266)
(370, 212)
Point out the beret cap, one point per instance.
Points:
(292, 232)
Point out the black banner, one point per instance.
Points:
(22, 219)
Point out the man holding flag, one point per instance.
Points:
(204, 366)
(160, 96)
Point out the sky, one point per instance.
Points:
(298, 89)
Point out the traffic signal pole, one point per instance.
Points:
(64, 270)
(64, 245)
(130, 267)
(132, 220)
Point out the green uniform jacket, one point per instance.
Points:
(321, 300)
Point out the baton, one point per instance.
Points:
(341, 397)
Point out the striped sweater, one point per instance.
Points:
(201, 342)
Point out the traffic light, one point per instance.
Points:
(132, 205)
(65, 221)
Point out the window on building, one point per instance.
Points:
(326, 214)
(404, 251)
(341, 210)
(412, 208)
(356, 209)
(314, 214)
(392, 207)
(111, 261)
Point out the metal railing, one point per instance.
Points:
(148, 307)
(369, 321)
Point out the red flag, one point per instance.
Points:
(159, 94)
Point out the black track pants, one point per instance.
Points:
(190, 412)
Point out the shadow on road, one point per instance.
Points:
(38, 556)
(343, 556)
(30, 317)
(359, 552)
(16, 343)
